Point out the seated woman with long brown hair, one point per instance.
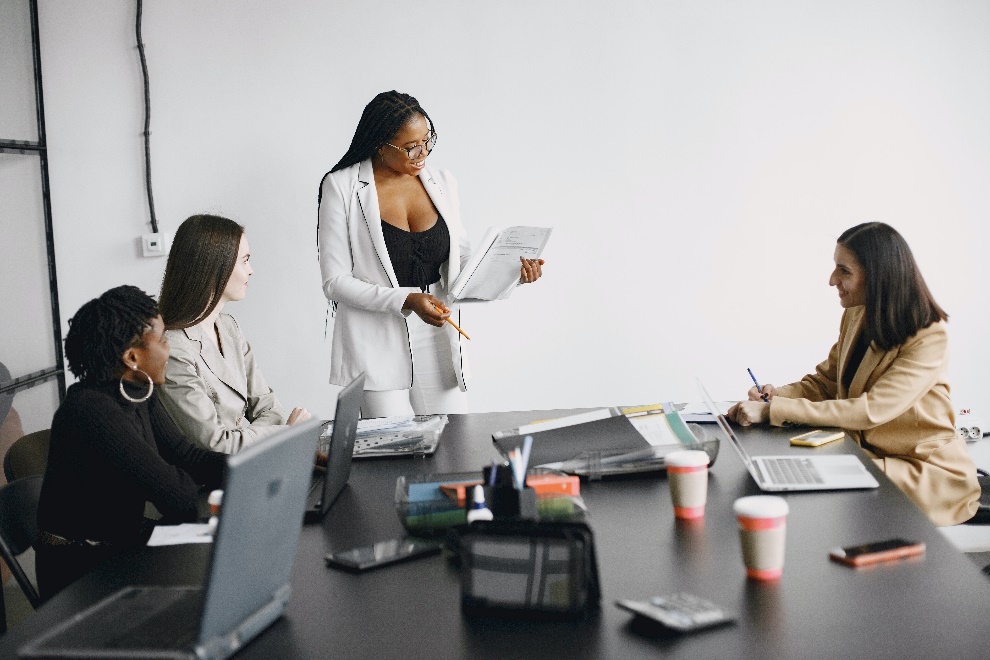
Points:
(214, 389)
(885, 381)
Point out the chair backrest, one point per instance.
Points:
(28, 456)
(19, 527)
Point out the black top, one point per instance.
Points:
(855, 358)
(417, 255)
(108, 457)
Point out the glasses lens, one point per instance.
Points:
(431, 142)
(415, 152)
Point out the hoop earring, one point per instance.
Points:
(151, 388)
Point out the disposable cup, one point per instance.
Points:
(215, 499)
(687, 472)
(762, 531)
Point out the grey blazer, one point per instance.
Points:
(220, 400)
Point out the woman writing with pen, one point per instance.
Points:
(885, 379)
(391, 243)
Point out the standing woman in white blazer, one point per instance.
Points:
(391, 243)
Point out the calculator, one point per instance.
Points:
(681, 612)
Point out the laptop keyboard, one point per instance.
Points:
(798, 471)
(138, 619)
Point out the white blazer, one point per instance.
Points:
(370, 332)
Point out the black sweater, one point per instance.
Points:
(108, 457)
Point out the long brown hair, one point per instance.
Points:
(202, 257)
(898, 302)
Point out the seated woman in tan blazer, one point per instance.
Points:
(885, 379)
(213, 389)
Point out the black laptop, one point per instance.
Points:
(326, 486)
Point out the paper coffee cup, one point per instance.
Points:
(687, 472)
(215, 499)
(762, 531)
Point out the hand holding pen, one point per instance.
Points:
(764, 392)
(447, 319)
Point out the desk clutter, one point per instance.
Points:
(393, 437)
(610, 441)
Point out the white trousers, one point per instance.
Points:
(434, 389)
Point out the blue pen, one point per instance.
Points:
(757, 383)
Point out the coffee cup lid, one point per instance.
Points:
(687, 458)
(761, 506)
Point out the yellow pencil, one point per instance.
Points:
(453, 324)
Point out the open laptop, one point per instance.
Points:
(247, 583)
(783, 473)
(326, 486)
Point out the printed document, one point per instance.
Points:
(493, 271)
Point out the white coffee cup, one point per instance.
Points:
(215, 499)
(687, 472)
(762, 531)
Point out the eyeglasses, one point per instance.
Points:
(417, 151)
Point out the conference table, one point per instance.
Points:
(927, 607)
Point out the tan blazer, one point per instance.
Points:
(220, 400)
(898, 409)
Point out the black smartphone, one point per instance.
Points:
(383, 553)
(871, 553)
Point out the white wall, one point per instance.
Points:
(696, 160)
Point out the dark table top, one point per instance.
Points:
(934, 606)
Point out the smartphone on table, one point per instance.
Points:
(383, 553)
(817, 438)
(871, 553)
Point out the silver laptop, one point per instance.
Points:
(782, 473)
(325, 487)
(247, 584)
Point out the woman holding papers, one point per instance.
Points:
(214, 390)
(885, 379)
(113, 445)
(391, 243)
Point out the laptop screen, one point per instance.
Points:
(724, 424)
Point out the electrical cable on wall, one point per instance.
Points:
(147, 119)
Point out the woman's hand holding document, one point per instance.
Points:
(494, 269)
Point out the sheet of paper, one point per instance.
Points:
(570, 420)
(181, 534)
(655, 429)
(698, 412)
(498, 271)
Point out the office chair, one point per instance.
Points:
(27, 457)
(982, 516)
(19, 530)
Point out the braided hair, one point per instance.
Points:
(381, 119)
(104, 328)
(200, 261)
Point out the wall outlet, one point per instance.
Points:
(154, 245)
(970, 427)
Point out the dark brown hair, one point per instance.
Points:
(898, 302)
(104, 328)
(202, 257)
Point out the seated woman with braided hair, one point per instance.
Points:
(113, 445)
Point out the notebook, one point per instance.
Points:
(247, 582)
(783, 473)
(325, 487)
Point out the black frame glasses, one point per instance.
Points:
(415, 152)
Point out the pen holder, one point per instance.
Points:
(521, 568)
(507, 502)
